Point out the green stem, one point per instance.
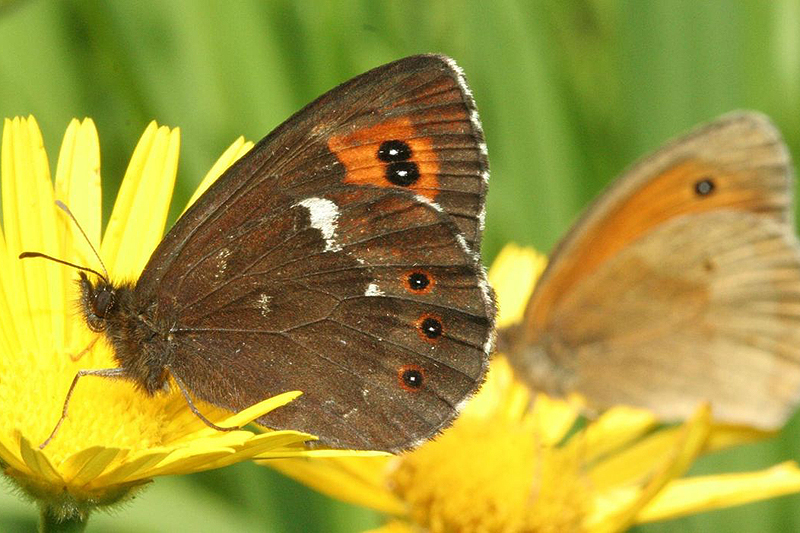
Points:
(52, 522)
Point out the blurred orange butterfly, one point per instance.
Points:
(681, 283)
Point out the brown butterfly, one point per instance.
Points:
(339, 257)
(680, 284)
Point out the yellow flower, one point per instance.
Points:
(509, 464)
(114, 438)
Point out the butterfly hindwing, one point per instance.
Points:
(335, 306)
(704, 324)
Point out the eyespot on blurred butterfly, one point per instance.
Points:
(680, 284)
(339, 257)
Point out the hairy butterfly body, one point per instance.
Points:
(339, 257)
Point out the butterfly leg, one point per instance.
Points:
(85, 350)
(195, 410)
(103, 372)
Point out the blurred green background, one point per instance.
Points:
(570, 92)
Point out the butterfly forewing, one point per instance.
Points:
(410, 125)
(740, 157)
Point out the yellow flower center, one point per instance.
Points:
(493, 475)
(97, 403)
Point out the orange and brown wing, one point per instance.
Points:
(738, 163)
(679, 285)
(409, 125)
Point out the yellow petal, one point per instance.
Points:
(38, 463)
(248, 415)
(142, 202)
(77, 185)
(7, 453)
(137, 467)
(724, 436)
(229, 157)
(705, 493)
(9, 323)
(29, 224)
(360, 481)
(618, 427)
(513, 275)
(616, 509)
(86, 465)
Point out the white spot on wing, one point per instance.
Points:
(222, 261)
(263, 304)
(486, 290)
(324, 216)
(426, 200)
(373, 290)
(488, 346)
(463, 243)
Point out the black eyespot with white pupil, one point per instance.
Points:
(394, 151)
(704, 187)
(418, 281)
(399, 170)
(431, 328)
(402, 173)
(412, 378)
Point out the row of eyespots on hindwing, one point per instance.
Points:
(429, 327)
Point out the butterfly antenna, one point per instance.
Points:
(25, 255)
(64, 208)
(104, 276)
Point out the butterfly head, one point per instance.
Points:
(97, 301)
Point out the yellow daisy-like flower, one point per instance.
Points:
(509, 464)
(114, 438)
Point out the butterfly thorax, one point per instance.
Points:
(546, 365)
(141, 348)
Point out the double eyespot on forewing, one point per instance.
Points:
(427, 140)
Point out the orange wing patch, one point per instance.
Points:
(388, 155)
(670, 194)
